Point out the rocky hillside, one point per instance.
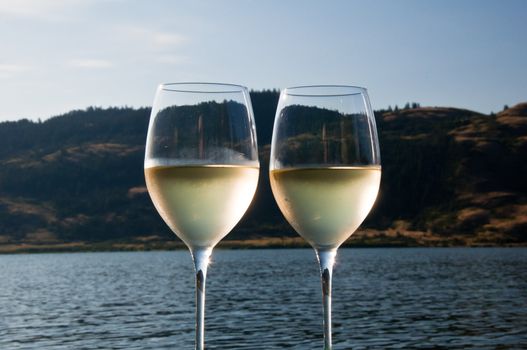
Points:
(467, 183)
(450, 177)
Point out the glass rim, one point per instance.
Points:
(324, 90)
(202, 87)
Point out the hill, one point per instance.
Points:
(450, 177)
(457, 175)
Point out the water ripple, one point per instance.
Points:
(268, 299)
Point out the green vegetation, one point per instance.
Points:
(450, 177)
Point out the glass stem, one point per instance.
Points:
(200, 256)
(326, 259)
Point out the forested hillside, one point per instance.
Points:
(450, 176)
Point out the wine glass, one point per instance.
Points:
(325, 169)
(201, 167)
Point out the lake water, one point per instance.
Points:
(453, 298)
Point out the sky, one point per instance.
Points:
(60, 55)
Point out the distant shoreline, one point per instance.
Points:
(252, 243)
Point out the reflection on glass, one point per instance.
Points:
(325, 169)
(201, 167)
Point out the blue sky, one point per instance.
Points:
(60, 55)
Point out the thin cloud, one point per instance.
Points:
(39, 9)
(90, 63)
(13, 68)
(168, 39)
(171, 59)
(8, 70)
(153, 38)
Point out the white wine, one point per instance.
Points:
(201, 204)
(325, 205)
